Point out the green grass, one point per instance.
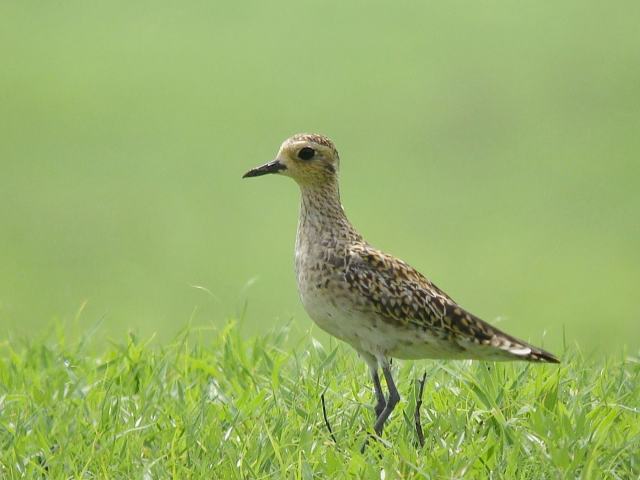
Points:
(215, 405)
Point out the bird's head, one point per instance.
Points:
(309, 159)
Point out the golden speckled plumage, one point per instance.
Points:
(377, 303)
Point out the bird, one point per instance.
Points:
(373, 301)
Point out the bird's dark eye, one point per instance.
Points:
(306, 153)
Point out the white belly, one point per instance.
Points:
(338, 316)
(330, 314)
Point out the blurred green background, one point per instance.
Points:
(493, 145)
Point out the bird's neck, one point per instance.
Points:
(321, 213)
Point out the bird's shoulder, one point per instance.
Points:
(393, 286)
(367, 264)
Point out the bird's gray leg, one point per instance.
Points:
(372, 362)
(392, 401)
(381, 402)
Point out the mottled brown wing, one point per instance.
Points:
(402, 295)
(398, 291)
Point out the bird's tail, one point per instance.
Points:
(521, 350)
(487, 342)
(539, 355)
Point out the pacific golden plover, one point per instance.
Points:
(375, 302)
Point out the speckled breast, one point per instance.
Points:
(323, 291)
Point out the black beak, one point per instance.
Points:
(271, 167)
